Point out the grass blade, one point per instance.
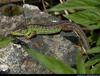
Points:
(77, 4)
(80, 64)
(4, 41)
(92, 62)
(96, 69)
(94, 50)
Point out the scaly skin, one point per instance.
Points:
(36, 29)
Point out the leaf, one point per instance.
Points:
(98, 42)
(93, 26)
(89, 18)
(4, 41)
(80, 64)
(77, 4)
(92, 62)
(88, 15)
(51, 63)
(94, 50)
(96, 69)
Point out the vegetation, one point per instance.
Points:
(85, 13)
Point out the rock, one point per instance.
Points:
(12, 56)
(15, 58)
(21, 63)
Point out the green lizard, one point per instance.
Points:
(36, 29)
(29, 30)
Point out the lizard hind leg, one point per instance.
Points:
(30, 35)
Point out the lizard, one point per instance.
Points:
(43, 29)
(31, 29)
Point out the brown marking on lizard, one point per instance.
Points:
(68, 26)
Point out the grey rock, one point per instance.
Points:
(17, 60)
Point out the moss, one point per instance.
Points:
(11, 10)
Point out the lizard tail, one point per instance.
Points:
(68, 26)
(83, 39)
